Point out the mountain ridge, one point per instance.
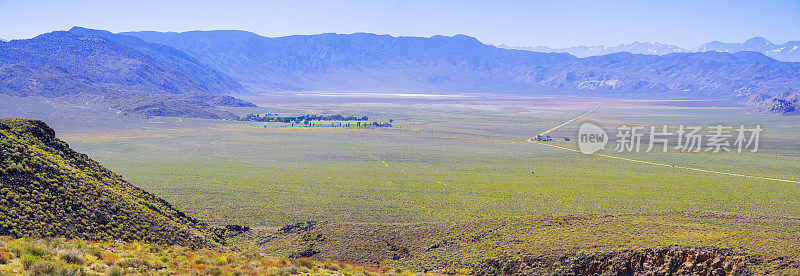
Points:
(370, 62)
(187, 74)
(636, 47)
(211, 81)
(788, 52)
(153, 80)
(289, 63)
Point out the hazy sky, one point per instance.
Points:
(556, 23)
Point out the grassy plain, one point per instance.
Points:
(443, 160)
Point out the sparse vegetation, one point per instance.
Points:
(697, 243)
(135, 258)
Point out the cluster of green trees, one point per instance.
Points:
(357, 124)
(305, 119)
(347, 121)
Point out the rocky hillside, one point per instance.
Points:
(786, 103)
(672, 260)
(48, 189)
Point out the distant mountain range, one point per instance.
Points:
(369, 62)
(123, 72)
(789, 51)
(644, 48)
(362, 62)
(187, 74)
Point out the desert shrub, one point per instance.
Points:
(214, 270)
(282, 262)
(155, 265)
(115, 271)
(303, 262)
(34, 249)
(80, 245)
(17, 250)
(274, 271)
(28, 260)
(222, 260)
(73, 257)
(89, 259)
(331, 266)
(42, 268)
(250, 254)
(94, 251)
(110, 259)
(131, 262)
(49, 268)
(71, 270)
(53, 242)
(5, 257)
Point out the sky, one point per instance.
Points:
(554, 23)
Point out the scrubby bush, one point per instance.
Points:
(30, 248)
(28, 260)
(303, 262)
(4, 257)
(42, 268)
(131, 262)
(94, 251)
(71, 270)
(331, 266)
(214, 270)
(73, 257)
(115, 271)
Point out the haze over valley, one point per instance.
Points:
(191, 74)
(363, 137)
